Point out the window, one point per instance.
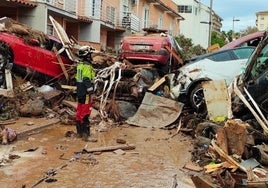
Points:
(261, 63)
(225, 56)
(185, 9)
(93, 7)
(160, 21)
(49, 29)
(146, 17)
(243, 53)
(110, 14)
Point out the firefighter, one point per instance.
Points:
(85, 89)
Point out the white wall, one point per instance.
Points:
(36, 17)
(90, 32)
(191, 26)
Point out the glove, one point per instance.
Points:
(90, 90)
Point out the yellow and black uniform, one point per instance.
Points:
(85, 88)
(85, 75)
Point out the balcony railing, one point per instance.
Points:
(67, 5)
(131, 21)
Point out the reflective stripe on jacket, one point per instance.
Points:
(84, 70)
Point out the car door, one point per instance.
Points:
(257, 81)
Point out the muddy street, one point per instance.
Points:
(157, 158)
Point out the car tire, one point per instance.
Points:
(197, 99)
(6, 52)
(5, 62)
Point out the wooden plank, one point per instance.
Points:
(61, 64)
(222, 140)
(70, 104)
(201, 182)
(174, 55)
(226, 157)
(157, 84)
(193, 167)
(68, 87)
(112, 148)
(67, 45)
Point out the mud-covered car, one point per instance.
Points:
(151, 48)
(219, 65)
(254, 80)
(31, 52)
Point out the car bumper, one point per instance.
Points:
(156, 58)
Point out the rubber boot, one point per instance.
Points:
(79, 130)
(86, 134)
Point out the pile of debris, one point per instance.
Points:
(229, 149)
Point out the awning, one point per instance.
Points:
(84, 19)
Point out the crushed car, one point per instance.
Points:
(220, 65)
(253, 82)
(152, 47)
(31, 53)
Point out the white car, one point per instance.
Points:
(219, 65)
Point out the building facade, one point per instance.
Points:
(197, 24)
(262, 20)
(123, 17)
(100, 23)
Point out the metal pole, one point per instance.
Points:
(210, 23)
(233, 32)
(233, 25)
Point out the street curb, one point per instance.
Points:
(35, 130)
(37, 124)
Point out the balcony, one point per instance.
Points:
(67, 5)
(113, 18)
(132, 22)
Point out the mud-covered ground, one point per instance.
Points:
(157, 159)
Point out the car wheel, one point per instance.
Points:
(5, 55)
(197, 99)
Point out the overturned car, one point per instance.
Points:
(31, 53)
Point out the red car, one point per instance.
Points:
(32, 55)
(252, 39)
(151, 48)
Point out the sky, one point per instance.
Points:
(243, 10)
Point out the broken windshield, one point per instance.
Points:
(261, 63)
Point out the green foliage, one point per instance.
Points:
(230, 34)
(217, 39)
(188, 48)
(248, 31)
